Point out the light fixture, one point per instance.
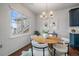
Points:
(45, 15)
(47, 12)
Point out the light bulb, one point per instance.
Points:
(41, 16)
(43, 13)
(51, 14)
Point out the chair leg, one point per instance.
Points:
(32, 49)
(65, 54)
(43, 52)
(54, 52)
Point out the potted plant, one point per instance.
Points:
(36, 33)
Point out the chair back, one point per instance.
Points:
(53, 34)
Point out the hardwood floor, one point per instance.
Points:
(18, 52)
(72, 51)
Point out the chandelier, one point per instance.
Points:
(45, 15)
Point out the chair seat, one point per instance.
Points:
(36, 44)
(66, 40)
(60, 48)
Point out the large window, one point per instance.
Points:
(19, 23)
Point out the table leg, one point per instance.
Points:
(50, 48)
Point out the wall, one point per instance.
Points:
(10, 45)
(61, 18)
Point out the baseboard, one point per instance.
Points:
(19, 49)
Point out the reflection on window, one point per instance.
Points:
(19, 23)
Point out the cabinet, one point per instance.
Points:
(74, 17)
(74, 40)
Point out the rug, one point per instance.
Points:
(26, 53)
(36, 52)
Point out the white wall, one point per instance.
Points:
(61, 18)
(10, 45)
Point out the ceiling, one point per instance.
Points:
(40, 7)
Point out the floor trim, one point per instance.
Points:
(18, 52)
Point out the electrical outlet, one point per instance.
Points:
(0, 46)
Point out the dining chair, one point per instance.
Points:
(61, 48)
(37, 45)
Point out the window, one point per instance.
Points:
(19, 23)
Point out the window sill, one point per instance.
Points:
(19, 35)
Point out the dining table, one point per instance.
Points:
(50, 40)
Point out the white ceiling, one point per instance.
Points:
(40, 7)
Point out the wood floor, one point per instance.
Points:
(72, 51)
(18, 52)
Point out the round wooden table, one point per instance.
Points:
(50, 40)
